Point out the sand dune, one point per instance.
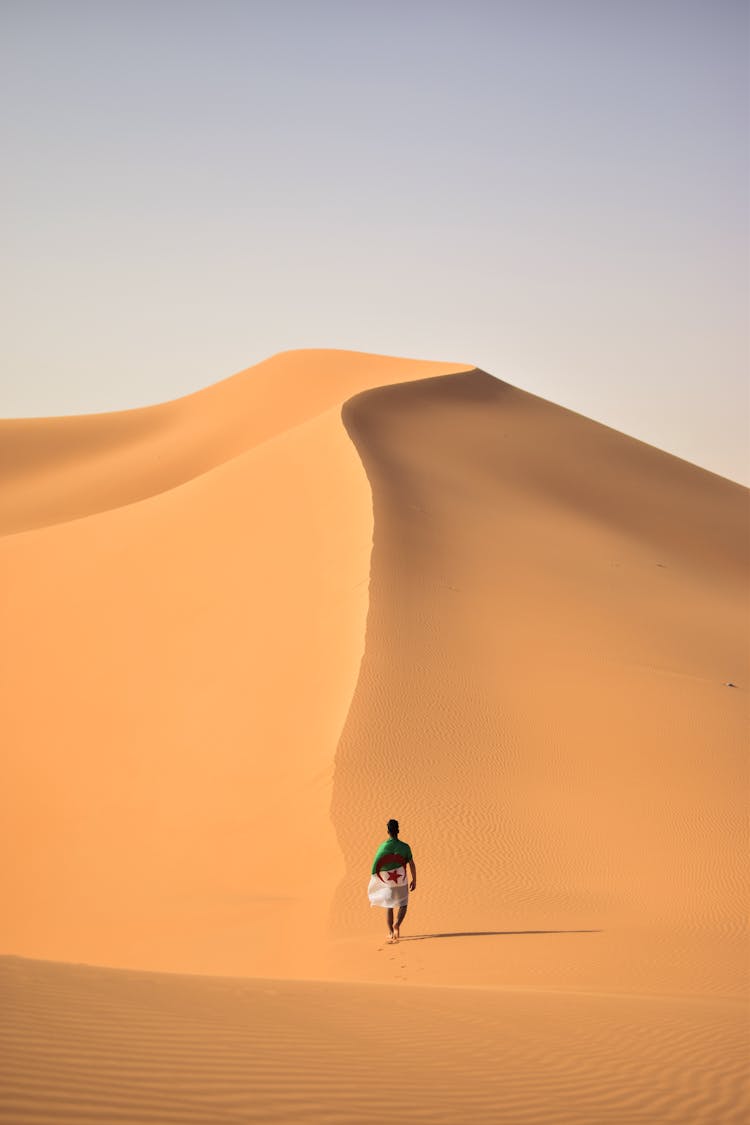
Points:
(57, 469)
(244, 628)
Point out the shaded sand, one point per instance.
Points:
(215, 695)
(77, 1041)
(555, 609)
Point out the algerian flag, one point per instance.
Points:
(389, 888)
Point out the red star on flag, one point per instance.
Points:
(393, 876)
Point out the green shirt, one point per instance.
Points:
(391, 847)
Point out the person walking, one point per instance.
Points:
(389, 886)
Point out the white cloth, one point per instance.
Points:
(389, 888)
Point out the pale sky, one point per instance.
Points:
(553, 190)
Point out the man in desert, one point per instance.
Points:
(389, 886)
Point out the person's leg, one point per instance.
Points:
(399, 920)
(390, 921)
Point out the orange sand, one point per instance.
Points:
(221, 676)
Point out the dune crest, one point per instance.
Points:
(58, 469)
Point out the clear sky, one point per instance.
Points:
(553, 190)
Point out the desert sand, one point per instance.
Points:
(244, 628)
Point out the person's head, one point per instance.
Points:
(392, 827)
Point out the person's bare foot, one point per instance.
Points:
(396, 934)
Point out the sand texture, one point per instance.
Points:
(241, 630)
(78, 1041)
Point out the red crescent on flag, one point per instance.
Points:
(389, 857)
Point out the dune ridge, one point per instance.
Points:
(57, 469)
(244, 628)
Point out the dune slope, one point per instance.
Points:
(177, 669)
(555, 610)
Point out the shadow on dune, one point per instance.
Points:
(494, 933)
(498, 519)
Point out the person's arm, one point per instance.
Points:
(413, 869)
(378, 853)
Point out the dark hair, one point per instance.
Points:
(392, 827)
